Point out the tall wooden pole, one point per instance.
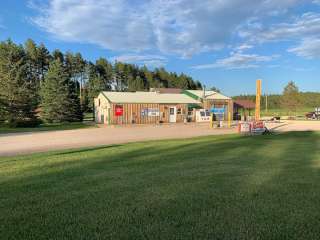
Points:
(258, 100)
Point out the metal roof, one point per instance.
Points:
(243, 103)
(148, 97)
(209, 95)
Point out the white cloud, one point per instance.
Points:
(238, 61)
(303, 31)
(148, 60)
(182, 27)
(110, 24)
(309, 48)
(307, 25)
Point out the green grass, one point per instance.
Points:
(45, 127)
(285, 112)
(224, 187)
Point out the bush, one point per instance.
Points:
(25, 123)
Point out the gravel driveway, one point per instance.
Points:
(23, 143)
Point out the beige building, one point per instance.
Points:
(214, 102)
(142, 107)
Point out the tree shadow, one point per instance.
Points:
(204, 188)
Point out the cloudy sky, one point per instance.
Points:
(222, 43)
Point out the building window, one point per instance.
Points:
(179, 111)
(99, 102)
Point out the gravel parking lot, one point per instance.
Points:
(23, 143)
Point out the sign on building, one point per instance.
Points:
(153, 112)
(218, 113)
(150, 112)
(118, 110)
(218, 110)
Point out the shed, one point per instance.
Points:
(243, 107)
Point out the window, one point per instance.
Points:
(99, 102)
(179, 111)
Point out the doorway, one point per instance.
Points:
(172, 114)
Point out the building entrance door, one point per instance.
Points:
(172, 114)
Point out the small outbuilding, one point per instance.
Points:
(142, 107)
(243, 109)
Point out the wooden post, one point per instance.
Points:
(258, 100)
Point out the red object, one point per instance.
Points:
(258, 125)
(118, 111)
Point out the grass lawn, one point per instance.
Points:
(219, 187)
(45, 127)
(285, 112)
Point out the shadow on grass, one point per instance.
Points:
(263, 187)
(70, 152)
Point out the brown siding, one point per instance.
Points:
(132, 113)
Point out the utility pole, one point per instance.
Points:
(266, 103)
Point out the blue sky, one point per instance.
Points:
(223, 43)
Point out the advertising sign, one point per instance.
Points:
(144, 112)
(153, 112)
(218, 110)
(119, 110)
(252, 127)
(150, 112)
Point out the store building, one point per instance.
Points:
(142, 107)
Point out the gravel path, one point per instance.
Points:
(289, 126)
(23, 143)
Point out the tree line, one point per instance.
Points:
(291, 99)
(59, 87)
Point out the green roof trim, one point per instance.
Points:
(186, 92)
(194, 106)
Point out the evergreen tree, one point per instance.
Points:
(44, 59)
(148, 75)
(139, 86)
(291, 97)
(97, 82)
(215, 89)
(57, 54)
(120, 82)
(18, 99)
(58, 101)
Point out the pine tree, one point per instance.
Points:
(291, 97)
(58, 99)
(139, 85)
(18, 99)
(97, 82)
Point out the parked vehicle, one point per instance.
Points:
(313, 115)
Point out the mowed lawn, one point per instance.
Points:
(219, 187)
